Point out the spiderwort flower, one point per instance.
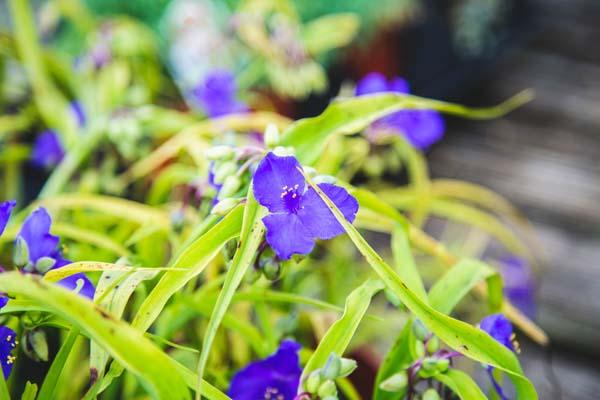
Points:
(47, 150)
(298, 216)
(8, 341)
(42, 248)
(217, 94)
(519, 284)
(275, 378)
(422, 128)
(499, 328)
(5, 210)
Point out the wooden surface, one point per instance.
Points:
(546, 159)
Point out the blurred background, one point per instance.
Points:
(543, 157)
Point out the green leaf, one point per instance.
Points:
(51, 379)
(397, 358)
(330, 31)
(461, 384)
(468, 340)
(139, 355)
(447, 292)
(338, 336)
(405, 263)
(250, 237)
(345, 116)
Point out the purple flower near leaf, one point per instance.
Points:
(422, 128)
(78, 112)
(298, 216)
(41, 244)
(8, 342)
(5, 210)
(499, 328)
(217, 94)
(275, 378)
(519, 284)
(47, 150)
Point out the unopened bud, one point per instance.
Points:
(221, 152)
(419, 349)
(395, 383)
(271, 269)
(224, 206)
(332, 367)
(430, 394)
(44, 264)
(419, 329)
(327, 388)
(433, 345)
(313, 382)
(231, 185)
(224, 170)
(392, 297)
(271, 137)
(21, 252)
(348, 366)
(434, 365)
(35, 345)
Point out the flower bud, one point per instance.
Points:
(327, 388)
(348, 366)
(433, 366)
(395, 383)
(419, 330)
(332, 367)
(313, 382)
(224, 170)
(271, 137)
(433, 344)
(35, 345)
(21, 252)
(220, 152)
(430, 394)
(392, 297)
(44, 264)
(224, 206)
(231, 185)
(419, 349)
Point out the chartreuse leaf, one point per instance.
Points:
(405, 263)
(51, 379)
(193, 260)
(128, 346)
(338, 336)
(461, 384)
(329, 32)
(345, 116)
(250, 238)
(468, 340)
(397, 358)
(447, 292)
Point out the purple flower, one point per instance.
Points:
(422, 128)
(276, 377)
(519, 284)
(298, 216)
(47, 150)
(5, 210)
(8, 341)
(35, 232)
(217, 94)
(500, 328)
(78, 111)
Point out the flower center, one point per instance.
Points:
(291, 198)
(273, 394)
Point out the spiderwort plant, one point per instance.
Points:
(297, 215)
(217, 94)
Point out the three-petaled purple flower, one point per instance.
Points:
(275, 378)
(298, 216)
(519, 284)
(41, 244)
(47, 150)
(422, 128)
(8, 341)
(499, 328)
(217, 94)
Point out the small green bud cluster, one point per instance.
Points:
(321, 382)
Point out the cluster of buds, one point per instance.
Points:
(321, 382)
(21, 259)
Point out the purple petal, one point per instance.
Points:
(47, 150)
(217, 94)
(3, 299)
(422, 128)
(376, 82)
(70, 283)
(5, 210)
(287, 235)
(78, 112)
(36, 232)
(318, 218)
(519, 284)
(498, 327)
(276, 375)
(273, 177)
(398, 85)
(8, 339)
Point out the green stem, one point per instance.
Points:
(51, 380)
